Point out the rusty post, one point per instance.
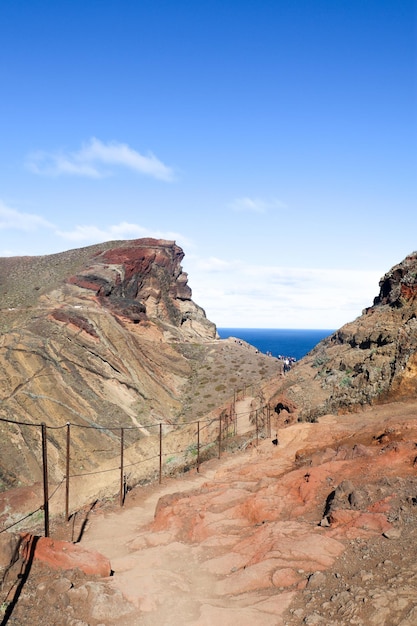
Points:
(234, 419)
(122, 480)
(266, 421)
(268, 409)
(67, 473)
(45, 479)
(220, 435)
(198, 446)
(160, 453)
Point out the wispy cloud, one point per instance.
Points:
(124, 230)
(97, 159)
(255, 205)
(213, 264)
(244, 294)
(11, 219)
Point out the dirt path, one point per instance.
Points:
(167, 579)
(162, 577)
(242, 408)
(242, 541)
(173, 580)
(110, 533)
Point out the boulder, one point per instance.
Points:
(64, 555)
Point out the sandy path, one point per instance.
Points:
(110, 533)
(242, 408)
(175, 583)
(164, 578)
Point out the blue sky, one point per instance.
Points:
(275, 142)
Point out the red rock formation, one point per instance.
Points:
(63, 555)
(372, 359)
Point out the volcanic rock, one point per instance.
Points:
(98, 339)
(243, 538)
(372, 359)
(64, 555)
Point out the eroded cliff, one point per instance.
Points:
(105, 336)
(370, 360)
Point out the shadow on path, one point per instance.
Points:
(22, 577)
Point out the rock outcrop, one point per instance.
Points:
(372, 359)
(317, 529)
(105, 337)
(63, 555)
(143, 280)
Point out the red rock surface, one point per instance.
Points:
(64, 555)
(318, 530)
(246, 538)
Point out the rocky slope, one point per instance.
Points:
(319, 529)
(105, 336)
(370, 360)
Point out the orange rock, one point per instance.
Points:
(382, 506)
(64, 555)
(285, 577)
(370, 523)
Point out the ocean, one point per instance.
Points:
(287, 342)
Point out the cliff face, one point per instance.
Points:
(106, 337)
(372, 359)
(143, 280)
(90, 336)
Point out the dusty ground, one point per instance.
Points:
(320, 529)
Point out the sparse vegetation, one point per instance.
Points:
(320, 360)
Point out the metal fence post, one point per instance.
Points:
(220, 435)
(67, 471)
(268, 408)
(160, 453)
(45, 479)
(122, 482)
(198, 446)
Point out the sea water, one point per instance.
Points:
(288, 342)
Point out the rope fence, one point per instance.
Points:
(205, 438)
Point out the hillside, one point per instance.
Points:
(368, 361)
(318, 529)
(103, 338)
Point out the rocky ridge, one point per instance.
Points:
(370, 360)
(318, 529)
(106, 337)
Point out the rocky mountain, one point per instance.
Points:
(370, 360)
(316, 529)
(105, 337)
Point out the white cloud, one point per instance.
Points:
(248, 295)
(124, 230)
(10, 219)
(213, 264)
(96, 159)
(255, 205)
